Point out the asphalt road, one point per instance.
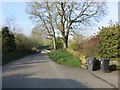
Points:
(38, 71)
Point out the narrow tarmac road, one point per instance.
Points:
(38, 71)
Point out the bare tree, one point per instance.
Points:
(42, 14)
(64, 16)
(11, 22)
(72, 13)
(38, 35)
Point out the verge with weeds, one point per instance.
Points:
(65, 58)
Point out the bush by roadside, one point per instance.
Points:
(19, 53)
(15, 46)
(109, 42)
(103, 45)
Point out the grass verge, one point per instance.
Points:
(65, 58)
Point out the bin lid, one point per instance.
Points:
(104, 59)
(91, 58)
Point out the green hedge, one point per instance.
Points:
(19, 53)
(109, 39)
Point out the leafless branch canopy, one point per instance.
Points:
(62, 16)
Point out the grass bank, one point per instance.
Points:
(65, 58)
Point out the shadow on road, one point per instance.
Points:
(38, 71)
(34, 78)
(29, 81)
(26, 62)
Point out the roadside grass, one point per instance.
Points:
(65, 58)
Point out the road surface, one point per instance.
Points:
(38, 71)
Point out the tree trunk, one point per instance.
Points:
(65, 42)
(54, 43)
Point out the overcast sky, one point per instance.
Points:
(17, 10)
